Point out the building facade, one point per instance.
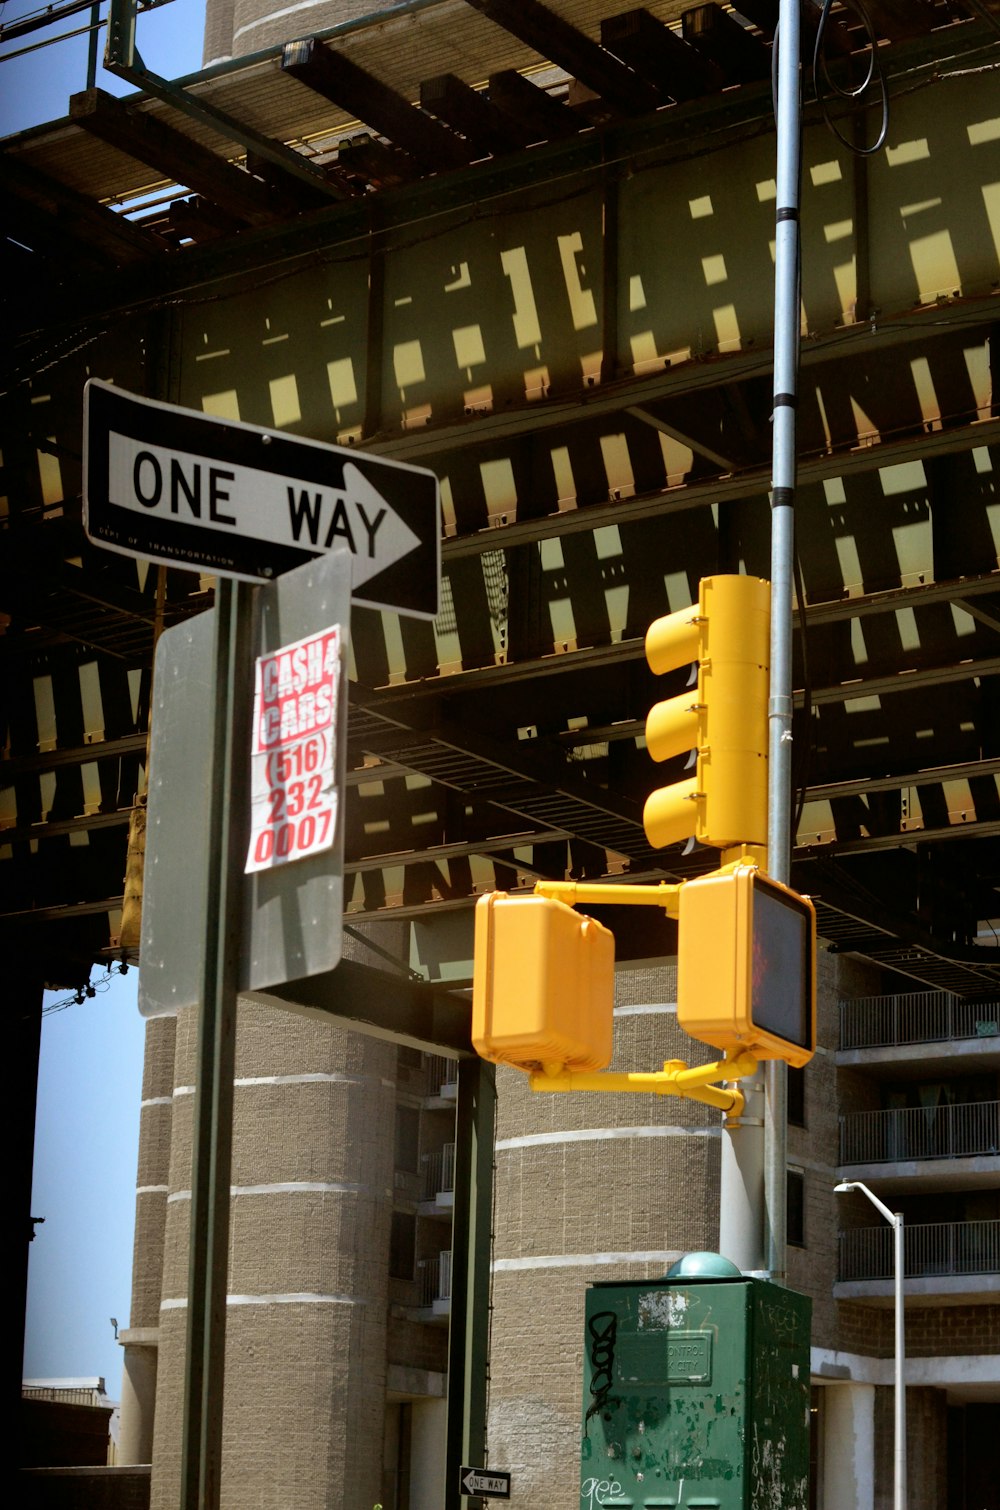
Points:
(342, 1191)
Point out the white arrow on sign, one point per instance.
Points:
(153, 480)
(482, 1481)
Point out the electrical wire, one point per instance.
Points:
(876, 74)
(88, 990)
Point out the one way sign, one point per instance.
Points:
(488, 1481)
(189, 489)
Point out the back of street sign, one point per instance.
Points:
(292, 916)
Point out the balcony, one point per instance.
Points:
(923, 1148)
(943, 1262)
(434, 1275)
(442, 1083)
(438, 1182)
(931, 1029)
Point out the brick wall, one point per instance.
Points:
(584, 1181)
(926, 1448)
(155, 1130)
(941, 1331)
(306, 1324)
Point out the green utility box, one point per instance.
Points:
(696, 1392)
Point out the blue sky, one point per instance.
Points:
(90, 1075)
(86, 1143)
(36, 86)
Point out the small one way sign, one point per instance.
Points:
(492, 1482)
(188, 489)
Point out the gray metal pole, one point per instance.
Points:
(786, 372)
(895, 1220)
(208, 1271)
(752, 1225)
(741, 1183)
(471, 1240)
(899, 1443)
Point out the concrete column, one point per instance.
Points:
(741, 1184)
(140, 1339)
(312, 1182)
(848, 1466)
(427, 1448)
(135, 1444)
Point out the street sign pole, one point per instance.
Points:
(201, 1459)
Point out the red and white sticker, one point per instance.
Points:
(293, 791)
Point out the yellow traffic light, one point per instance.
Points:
(746, 965)
(543, 984)
(723, 719)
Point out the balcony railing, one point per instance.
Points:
(441, 1073)
(869, 1022)
(435, 1278)
(929, 1249)
(444, 1274)
(439, 1171)
(939, 1132)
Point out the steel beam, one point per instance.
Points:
(176, 157)
(572, 50)
(380, 1004)
(333, 75)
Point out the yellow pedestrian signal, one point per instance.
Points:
(723, 719)
(746, 965)
(543, 984)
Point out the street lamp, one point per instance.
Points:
(895, 1220)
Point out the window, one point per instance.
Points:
(795, 1207)
(796, 1096)
(402, 1245)
(408, 1139)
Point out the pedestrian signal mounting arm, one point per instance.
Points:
(676, 1078)
(543, 994)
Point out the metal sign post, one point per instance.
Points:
(201, 1453)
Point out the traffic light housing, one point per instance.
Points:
(746, 965)
(723, 719)
(542, 985)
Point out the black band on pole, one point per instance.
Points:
(783, 498)
(785, 400)
(787, 212)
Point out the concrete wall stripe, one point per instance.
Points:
(289, 1187)
(302, 1298)
(582, 1260)
(593, 1134)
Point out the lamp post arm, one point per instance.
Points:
(892, 1217)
